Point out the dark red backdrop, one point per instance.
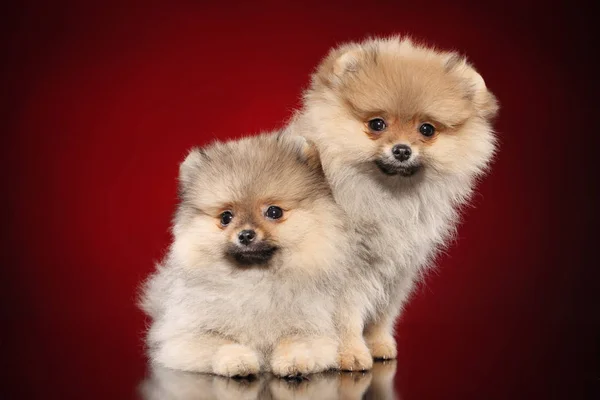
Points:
(102, 102)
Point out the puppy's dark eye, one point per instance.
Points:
(226, 218)
(274, 212)
(377, 125)
(427, 129)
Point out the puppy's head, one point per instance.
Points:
(403, 108)
(259, 201)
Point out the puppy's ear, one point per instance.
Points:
(485, 102)
(337, 64)
(311, 154)
(305, 149)
(347, 62)
(189, 169)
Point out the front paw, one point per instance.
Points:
(296, 358)
(354, 356)
(235, 360)
(382, 347)
(293, 363)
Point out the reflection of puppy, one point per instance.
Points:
(257, 264)
(353, 385)
(382, 384)
(403, 132)
(167, 384)
(318, 386)
(240, 389)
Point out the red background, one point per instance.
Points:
(101, 103)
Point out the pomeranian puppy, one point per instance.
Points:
(252, 280)
(403, 133)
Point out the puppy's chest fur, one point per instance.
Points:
(400, 229)
(253, 306)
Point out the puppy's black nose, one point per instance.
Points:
(401, 152)
(246, 237)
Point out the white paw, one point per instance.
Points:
(382, 347)
(303, 357)
(235, 360)
(355, 356)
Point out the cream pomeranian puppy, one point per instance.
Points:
(403, 133)
(256, 270)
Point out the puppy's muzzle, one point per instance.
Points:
(401, 161)
(250, 252)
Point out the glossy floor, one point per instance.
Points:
(376, 384)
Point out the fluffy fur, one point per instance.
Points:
(404, 212)
(213, 311)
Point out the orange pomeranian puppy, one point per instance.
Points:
(404, 132)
